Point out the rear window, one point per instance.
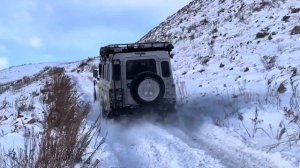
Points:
(134, 67)
(117, 72)
(165, 67)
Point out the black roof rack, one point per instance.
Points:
(135, 47)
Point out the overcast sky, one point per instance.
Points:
(34, 31)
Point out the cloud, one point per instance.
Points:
(35, 42)
(3, 62)
(139, 3)
(39, 28)
(154, 8)
(166, 4)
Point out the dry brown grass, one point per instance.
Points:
(66, 133)
(24, 103)
(64, 142)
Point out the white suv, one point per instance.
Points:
(135, 75)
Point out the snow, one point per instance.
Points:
(149, 145)
(188, 138)
(244, 155)
(230, 94)
(18, 72)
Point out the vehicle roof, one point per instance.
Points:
(135, 47)
(140, 55)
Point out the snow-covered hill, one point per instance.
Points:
(232, 38)
(240, 58)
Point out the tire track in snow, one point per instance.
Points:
(230, 152)
(198, 131)
(188, 142)
(146, 144)
(221, 144)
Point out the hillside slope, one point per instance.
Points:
(240, 59)
(233, 36)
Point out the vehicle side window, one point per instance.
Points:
(108, 72)
(104, 71)
(165, 68)
(100, 70)
(134, 67)
(117, 72)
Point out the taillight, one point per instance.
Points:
(116, 98)
(115, 95)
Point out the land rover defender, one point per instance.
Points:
(135, 75)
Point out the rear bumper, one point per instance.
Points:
(166, 102)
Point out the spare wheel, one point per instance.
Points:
(147, 88)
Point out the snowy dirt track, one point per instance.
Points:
(188, 138)
(185, 139)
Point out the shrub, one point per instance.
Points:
(295, 10)
(268, 62)
(262, 34)
(4, 88)
(64, 140)
(289, 130)
(296, 30)
(258, 7)
(4, 104)
(90, 59)
(24, 103)
(204, 59)
(285, 18)
(66, 134)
